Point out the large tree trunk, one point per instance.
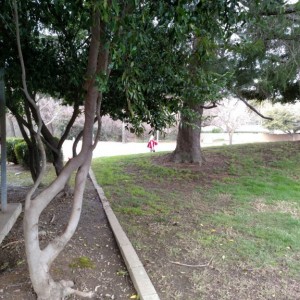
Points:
(188, 148)
(40, 260)
(230, 133)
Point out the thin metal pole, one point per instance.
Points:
(3, 143)
(123, 133)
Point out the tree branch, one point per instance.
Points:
(80, 134)
(18, 117)
(25, 89)
(213, 105)
(287, 11)
(51, 251)
(76, 112)
(255, 110)
(103, 58)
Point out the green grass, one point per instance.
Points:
(243, 214)
(119, 184)
(82, 262)
(138, 187)
(19, 176)
(263, 237)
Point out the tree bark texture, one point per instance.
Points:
(40, 260)
(188, 139)
(34, 157)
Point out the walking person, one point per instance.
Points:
(152, 143)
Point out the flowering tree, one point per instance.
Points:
(229, 115)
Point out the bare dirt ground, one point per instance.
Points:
(91, 259)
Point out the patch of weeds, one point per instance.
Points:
(19, 178)
(228, 180)
(179, 235)
(82, 262)
(160, 219)
(20, 262)
(293, 266)
(138, 245)
(131, 211)
(233, 170)
(174, 251)
(4, 266)
(57, 271)
(209, 240)
(177, 295)
(200, 280)
(289, 207)
(122, 273)
(137, 191)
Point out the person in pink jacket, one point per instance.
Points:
(152, 143)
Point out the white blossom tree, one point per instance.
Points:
(229, 115)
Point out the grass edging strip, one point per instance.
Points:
(138, 274)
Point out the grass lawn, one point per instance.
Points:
(227, 230)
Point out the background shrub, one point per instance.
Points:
(22, 153)
(217, 130)
(18, 150)
(11, 142)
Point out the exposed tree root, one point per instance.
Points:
(61, 290)
(67, 290)
(12, 243)
(67, 286)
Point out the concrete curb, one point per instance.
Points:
(138, 274)
(8, 218)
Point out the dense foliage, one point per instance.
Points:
(265, 53)
(284, 119)
(164, 57)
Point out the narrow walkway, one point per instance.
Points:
(138, 274)
(91, 259)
